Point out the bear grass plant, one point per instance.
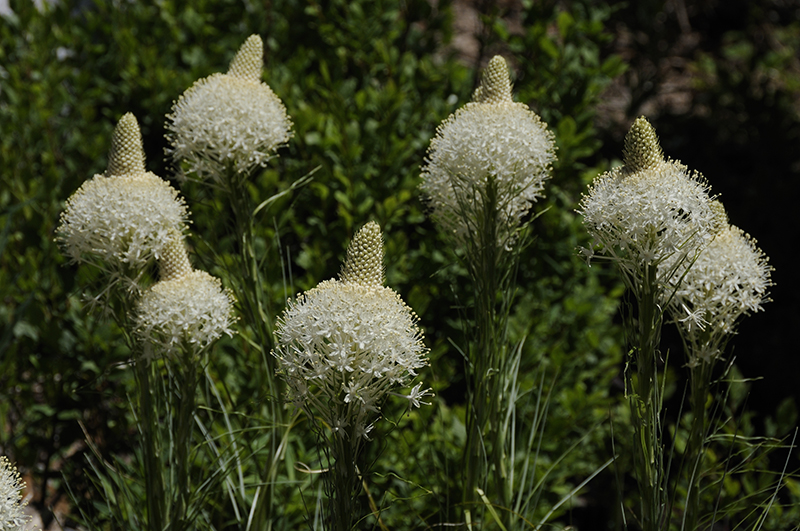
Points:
(679, 259)
(364, 113)
(121, 222)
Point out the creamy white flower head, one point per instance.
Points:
(345, 344)
(648, 211)
(492, 149)
(229, 121)
(729, 279)
(125, 216)
(12, 509)
(186, 308)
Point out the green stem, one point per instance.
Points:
(699, 376)
(646, 404)
(148, 413)
(184, 407)
(252, 292)
(345, 479)
(486, 264)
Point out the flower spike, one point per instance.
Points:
(492, 146)
(125, 217)
(228, 122)
(248, 60)
(192, 310)
(364, 261)
(642, 150)
(174, 262)
(720, 215)
(649, 212)
(126, 156)
(346, 344)
(495, 87)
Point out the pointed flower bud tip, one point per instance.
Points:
(174, 263)
(495, 84)
(720, 216)
(642, 149)
(126, 156)
(363, 264)
(248, 60)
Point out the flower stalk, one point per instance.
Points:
(342, 347)
(152, 448)
(486, 166)
(651, 218)
(646, 403)
(488, 267)
(729, 279)
(222, 130)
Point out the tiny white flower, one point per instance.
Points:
(351, 390)
(339, 427)
(416, 394)
(693, 319)
(363, 431)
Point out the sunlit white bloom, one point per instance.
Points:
(126, 216)
(648, 212)
(416, 394)
(492, 153)
(186, 308)
(12, 509)
(345, 344)
(729, 279)
(229, 121)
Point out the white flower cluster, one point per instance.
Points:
(491, 151)
(12, 510)
(186, 308)
(649, 212)
(130, 217)
(126, 216)
(229, 121)
(729, 279)
(191, 310)
(345, 344)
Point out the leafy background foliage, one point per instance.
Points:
(366, 84)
